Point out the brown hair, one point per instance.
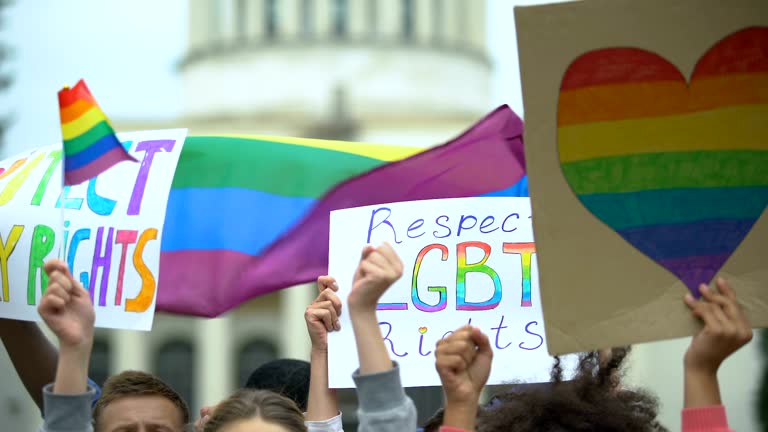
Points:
(135, 383)
(591, 401)
(247, 404)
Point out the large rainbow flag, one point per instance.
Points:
(90, 144)
(248, 216)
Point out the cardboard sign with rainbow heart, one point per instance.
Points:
(677, 169)
(646, 145)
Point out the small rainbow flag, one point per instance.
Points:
(90, 144)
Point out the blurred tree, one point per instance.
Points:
(5, 79)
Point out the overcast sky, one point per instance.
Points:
(125, 44)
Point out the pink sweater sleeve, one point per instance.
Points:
(705, 419)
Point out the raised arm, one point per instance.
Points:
(67, 310)
(725, 330)
(463, 361)
(384, 405)
(322, 317)
(379, 268)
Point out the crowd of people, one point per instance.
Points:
(293, 396)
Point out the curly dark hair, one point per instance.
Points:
(591, 401)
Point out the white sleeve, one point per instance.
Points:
(333, 424)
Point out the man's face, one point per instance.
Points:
(141, 414)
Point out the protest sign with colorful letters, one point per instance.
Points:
(110, 234)
(466, 260)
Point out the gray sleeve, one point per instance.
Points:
(384, 406)
(67, 413)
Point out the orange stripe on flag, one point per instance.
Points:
(74, 111)
(659, 99)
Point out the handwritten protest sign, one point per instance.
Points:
(646, 149)
(466, 260)
(111, 232)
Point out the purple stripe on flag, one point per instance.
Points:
(98, 166)
(487, 158)
(207, 275)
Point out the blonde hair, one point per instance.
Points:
(266, 405)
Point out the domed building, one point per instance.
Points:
(401, 72)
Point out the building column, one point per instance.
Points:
(322, 22)
(451, 31)
(290, 19)
(214, 368)
(423, 16)
(295, 342)
(255, 27)
(358, 19)
(227, 20)
(129, 351)
(198, 24)
(476, 33)
(390, 20)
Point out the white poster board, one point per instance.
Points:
(472, 260)
(112, 228)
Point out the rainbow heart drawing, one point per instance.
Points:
(679, 170)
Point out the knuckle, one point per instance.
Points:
(745, 335)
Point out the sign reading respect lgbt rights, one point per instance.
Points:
(466, 260)
(110, 234)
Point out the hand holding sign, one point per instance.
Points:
(379, 268)
(66, 307)
(726, 328)
(67, 310)
(322, 316)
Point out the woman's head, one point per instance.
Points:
(591, 401)
(256, 410)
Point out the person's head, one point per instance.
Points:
(140, 402)
(286, 377)
(261, 410)
(591, 401)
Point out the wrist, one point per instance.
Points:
(318, 354)
(699, 369)
(72, 370)
(76, 348)
(701, 388)
(362, 312)
(462, 400)
(460, 414)
(76, 352)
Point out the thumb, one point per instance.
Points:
(367, 250)
(79, 290)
